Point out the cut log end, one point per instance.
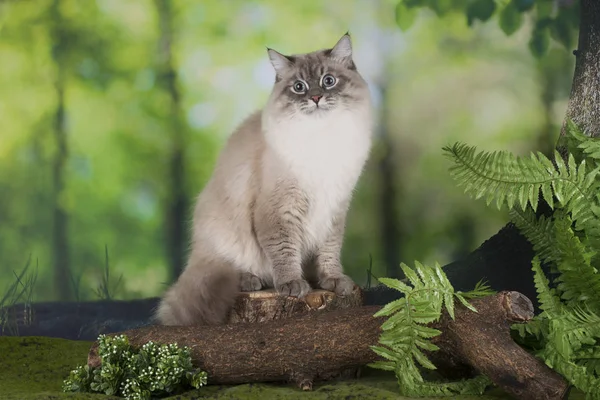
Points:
(518, 307)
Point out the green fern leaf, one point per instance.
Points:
(465, 302)
(534, 332)
(539, 232)
(481, 289)
(396, 284)
(589, 358)
(411, 275)
(383, 365)
(405, 337)
(549, 300)
(385, 353)
(578, 280)
(568, 335)
(422, 359)
(515, 180)
(391, 308)
(580, 144)
(425, 331)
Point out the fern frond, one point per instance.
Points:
(539, 232)
(579, 327)
(554, 241)
(533, 333)
(579, 281)
(481, 289)
(589, 358)
(576, 375)
(405, 335)
(515, 180)
(589, 147)
(497, 175)
(569, 334)
(548, 298)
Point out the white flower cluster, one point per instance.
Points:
(165, 371)
(138, 375)
(73, 382)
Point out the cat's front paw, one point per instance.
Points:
(342, 285)
(295, 288)
(250, 282)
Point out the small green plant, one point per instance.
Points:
(152, 371)
(75, 281)
(104, 291)
(21, 289)
(406, 334)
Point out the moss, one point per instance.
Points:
(33, 368)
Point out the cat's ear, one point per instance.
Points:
(342, 52)
(280, 62)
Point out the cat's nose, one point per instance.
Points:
(316, 99)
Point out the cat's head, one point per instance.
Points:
(317, 82)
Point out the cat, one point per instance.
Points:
(273, 213)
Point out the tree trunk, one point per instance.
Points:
(60, 235)
(390, 231)
(176, 204)
(550, 75)
(323, 345)
(584, 102)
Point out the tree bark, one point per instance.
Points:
(584, 103)
(267, 305)
(482, 340)
(323, 345)
(302, 349)
(60, 235)
(177, 203)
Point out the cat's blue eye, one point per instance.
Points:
(328, 81)
(299, 87)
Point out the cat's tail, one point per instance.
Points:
(203, 294)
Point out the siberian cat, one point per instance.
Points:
(273, 213)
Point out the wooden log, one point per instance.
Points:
(482, 341)
(306, 347)
(302, 348)
(267, 305)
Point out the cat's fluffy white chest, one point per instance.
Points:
(325, 154)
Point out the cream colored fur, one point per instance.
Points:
(301, 167)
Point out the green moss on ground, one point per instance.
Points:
(33, 368)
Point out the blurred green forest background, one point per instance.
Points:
(113, 112)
